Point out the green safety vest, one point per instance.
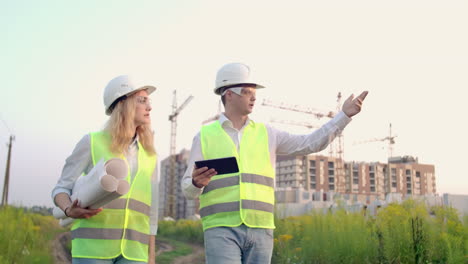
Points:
(246, 197)
(123, 226)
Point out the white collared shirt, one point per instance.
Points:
(80, 161)
(279, 143)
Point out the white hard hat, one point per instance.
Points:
(233, 74)
(120, 86)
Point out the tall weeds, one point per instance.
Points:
(25, 237)
(399, 233)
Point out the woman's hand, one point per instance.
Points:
(75, 211)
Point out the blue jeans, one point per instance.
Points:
(118, 260)
(235, 245)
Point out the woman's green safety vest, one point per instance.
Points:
(246, 197)
(122, 227)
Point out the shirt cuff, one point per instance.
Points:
(153, 229)
(342, 120)
(193, 190)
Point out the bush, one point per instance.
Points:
(25, 237)
(399, 233)
(183, 230)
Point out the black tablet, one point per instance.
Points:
(222, 165)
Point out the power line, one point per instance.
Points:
(9, 130)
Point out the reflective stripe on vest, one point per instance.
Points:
(132, 205)
(122, 227)
(245, 197)
(110, 233)
(234, 206)
(234, 180)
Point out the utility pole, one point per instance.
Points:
(171, 180)
(7, 174)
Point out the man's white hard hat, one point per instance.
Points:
(122, 86)
(232, 75)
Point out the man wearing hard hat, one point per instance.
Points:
(237, 209)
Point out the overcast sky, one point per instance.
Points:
(56, 58)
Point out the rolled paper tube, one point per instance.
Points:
(65, 221)
(101, 185)
(99, 201)
(117, 168)
(123, 187)
(88, 197)
(96, 172)
(109, 183)
(58, 213)
(96, 190)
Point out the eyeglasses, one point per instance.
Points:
(248, 92)
(241, 91)
(143, 100)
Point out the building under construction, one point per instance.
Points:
(359, 181)
(318, 177)
(181, 207)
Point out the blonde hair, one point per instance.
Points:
(122, 129)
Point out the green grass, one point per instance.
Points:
(399, 233)
(180, 249)
(26, 237)
(182, 230)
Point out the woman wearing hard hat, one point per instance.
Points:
(124, 230)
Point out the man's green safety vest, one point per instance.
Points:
(122, 227)
(246, 197)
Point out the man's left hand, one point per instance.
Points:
(352, 105)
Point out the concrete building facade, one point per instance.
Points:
(310, 172)
(183, 207)
(320, 180)
(358, 181)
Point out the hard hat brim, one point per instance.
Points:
(217, 90)
(149, 88)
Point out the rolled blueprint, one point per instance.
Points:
(101, 185)
(122, 188)
(117, 168)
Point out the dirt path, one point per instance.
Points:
(162, 247)
(197, 256)
(61, 254)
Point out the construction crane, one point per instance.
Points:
(336, 147)
(334, 151)
(296, 108)
(170, 206)
(390, 138)
(340, 171)
(294, 123)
